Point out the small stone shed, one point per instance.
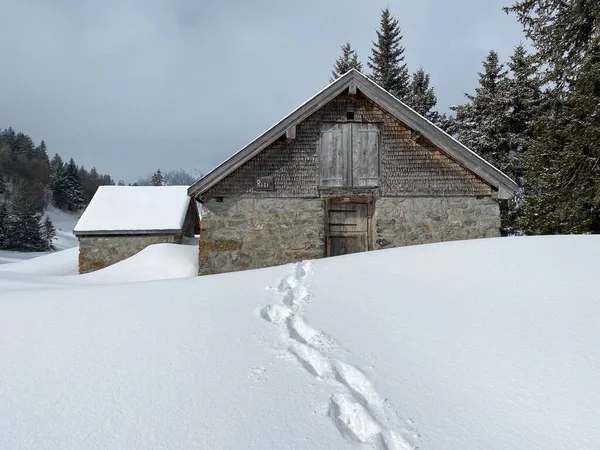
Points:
(353, 169)
(120, 221)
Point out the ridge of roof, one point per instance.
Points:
(446, 143)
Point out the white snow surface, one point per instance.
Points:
(130, 208)
(489, 344)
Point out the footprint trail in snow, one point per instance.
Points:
(355, 407)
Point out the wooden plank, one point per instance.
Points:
(365, 154)
(290, 133)
(351, 217)
(345, 245)
(335, 149)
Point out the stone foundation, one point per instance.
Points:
(401, 221)
(97, 252)
(249, 233)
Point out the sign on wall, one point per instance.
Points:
(264, 184)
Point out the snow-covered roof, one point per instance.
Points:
(135, 209)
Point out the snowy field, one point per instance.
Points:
(488, 344)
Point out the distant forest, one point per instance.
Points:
(30, 182)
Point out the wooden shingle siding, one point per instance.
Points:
(407, 167)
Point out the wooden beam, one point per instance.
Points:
(290, 133)
(352, 88)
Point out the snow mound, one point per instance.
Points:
(155, 262)
(488, 344)
(56, 263)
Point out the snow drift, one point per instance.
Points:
(481, 344)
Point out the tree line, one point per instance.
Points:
(536, 116)
(29, 182)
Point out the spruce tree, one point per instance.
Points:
(481, 124)
(156, 179)
(524, 96)
(4, 234)
(563, 159)
(2, 183)
(346, 61)
(73, 187)
(23, 220)
(387, 65)
(48, 234)
(57, 182)
(421, 96)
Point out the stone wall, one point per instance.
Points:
(422, 220)
(249, 233)
(97, 252)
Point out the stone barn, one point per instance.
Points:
(353, 169)
(120, 221)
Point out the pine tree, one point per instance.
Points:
(23, 220)
(48, 234)
(481, 124)
(562, 183)
(346, 61)
(157, 179)
(421, 96)
(4, 234)
(57, 168)
(73, 187)
(387, 65)
(121, 183)
(524, 96)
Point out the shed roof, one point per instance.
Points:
(135, 210)
(454, 149)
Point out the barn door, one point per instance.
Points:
(348, 228)
(349, 155)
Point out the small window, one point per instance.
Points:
(350, 115)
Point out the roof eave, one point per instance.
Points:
(126, 232)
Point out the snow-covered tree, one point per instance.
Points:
(346, 61)
(481, 124)
(48, 234)
(73, 188)
(157, 179)
(421, 96)
(562, 183)
(387, 65)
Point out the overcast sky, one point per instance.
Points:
(131, 86)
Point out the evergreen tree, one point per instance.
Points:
(562, 183)
(4, 235)
(387, 65)
(73, 187)
(524, 96)
(421, 96)
(346, 61)
(22, 223)
(57, 182)
(121, 183)
(41, 153)
(481, 124)
(48, 234)
(2, 183)
(157, 179)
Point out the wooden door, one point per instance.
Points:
(348, 228)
